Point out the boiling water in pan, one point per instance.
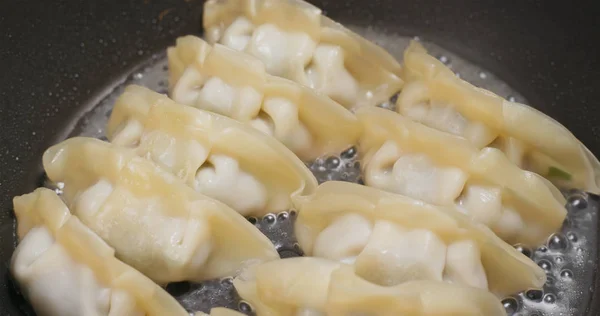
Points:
(568, 257)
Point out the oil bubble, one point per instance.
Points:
(559, 260)
(511, 305)
(245, 307)
(349, 153)
(332, 162)
(269, 219)
(545, 264)
(534, 295)
(558, 242)
(577, 202)
(550, 298)
(566, 274)
(282, 216)
(572, 236)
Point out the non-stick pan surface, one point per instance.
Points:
(56, 57)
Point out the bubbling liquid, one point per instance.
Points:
(568, 256)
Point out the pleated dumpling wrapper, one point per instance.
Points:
(295, 41)
(406, 157)
(391, 239)
(64, 269)
(316, 287)
(154, 222)
(435, 96)
(236, 85)
(249, 171)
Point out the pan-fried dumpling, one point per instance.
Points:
(316, 287)
(352, 295)
(295, 41)
(249, 171)
(292, 286)
(391, 239)
(436, 97)
(155, 222)
(220, 311)
(65, 269)
(236, 85)
(411, 159)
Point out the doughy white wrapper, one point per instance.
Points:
(538, 142)
(301, 32)
(190, 137)
(77, 244)
(236, 84)
(154, 222)
(507, 270)
(539, 204)
(314, 286)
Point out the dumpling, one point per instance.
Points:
(220, 311)
(154, 222)
(295, 41)
(411, 159)
(291, 286)
(65, 269)
(236, 85)
(249, 171)
(391, 239)
(318, 287)
(352, 295)
(435, 96)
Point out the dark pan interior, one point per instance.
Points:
(56, 56)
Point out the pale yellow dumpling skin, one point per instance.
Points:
(155, 222)
(296, 41)
(237, 85)
(390, 239)
(435, 96)
(217, 156)
(317, 287)
(406, 157)
(65, 269)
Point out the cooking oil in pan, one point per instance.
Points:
(568, 257)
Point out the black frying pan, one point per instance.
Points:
(56, 57)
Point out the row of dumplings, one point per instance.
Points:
(283, 85)
(373, 252)
(295, 41)
(398, 154)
